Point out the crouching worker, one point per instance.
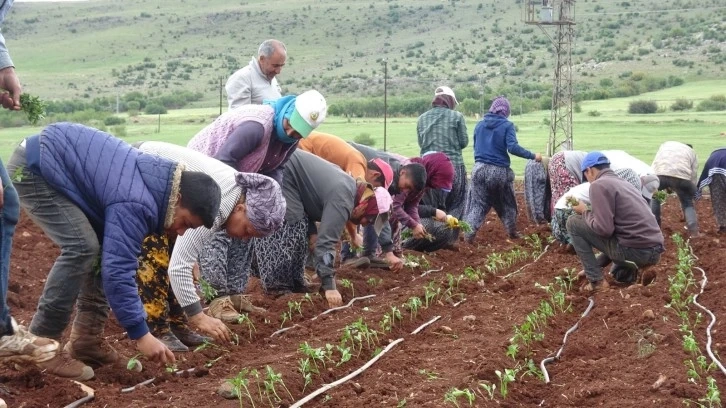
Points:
(252, 206)
(92, 193)
(316, 191)
(619, 224)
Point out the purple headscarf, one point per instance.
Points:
(443, 101)
(500, 106)
(264, 201)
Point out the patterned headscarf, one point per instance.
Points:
(630, 176)
(264, 201)
(443, 101)
(500, 106)
(439, 170)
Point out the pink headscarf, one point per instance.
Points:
(500, 106)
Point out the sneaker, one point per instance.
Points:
(594, 287)
(172, 342)
(359, 263)
(623, 274)
(378, 263)
(223, 309)
(189, 337)
(24, 346)
(242, 303)
(63, 365)
(91, 350)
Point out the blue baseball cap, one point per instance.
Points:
(593, 159)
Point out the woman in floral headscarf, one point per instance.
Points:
(492, 181)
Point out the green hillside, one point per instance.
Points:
(104, 48)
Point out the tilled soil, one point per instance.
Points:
(614, 358)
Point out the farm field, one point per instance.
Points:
(484, 294)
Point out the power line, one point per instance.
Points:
(651, 11)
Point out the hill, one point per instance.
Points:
(98, 48)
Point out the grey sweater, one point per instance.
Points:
(326, 194)
(620, 211)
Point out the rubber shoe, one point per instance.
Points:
(189, 337)
(63, 365)
(91, 350)
(223, 309)
(378, 263)
(242, 303)
(172, 342)
(24, 346)
(359, 263)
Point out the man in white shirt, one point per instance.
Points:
(676, 165)
(256, 82)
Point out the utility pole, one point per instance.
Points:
(559, 14)
(220, 95)
(385, 102)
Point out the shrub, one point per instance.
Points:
(714, 103)
(114, 120)
(154, 109)
(119, 131)
(594, 113)
(682, 104)
(365, 139)
(643, 107)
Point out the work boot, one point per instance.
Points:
(242, 303)
(359, 263)
(86, 342)
(188, 336)
(223, 309)
(172, 342)
(22, 346)
(379, 263)
(63, 365)
(594, 287)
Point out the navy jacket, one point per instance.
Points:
(493, 137)
(123, 192)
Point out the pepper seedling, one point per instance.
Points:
(33, 107)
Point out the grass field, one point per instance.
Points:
(640, 135)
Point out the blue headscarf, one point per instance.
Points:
(283, 110)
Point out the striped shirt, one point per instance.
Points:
(188, 246)
(443, 130)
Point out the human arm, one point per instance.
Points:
(8, 79)
(334, 217)
(601, 218)
(239, 90)
(694, 167)
(513, 146)
(461, 132)
(243, 141)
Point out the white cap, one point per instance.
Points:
(445, 90)
(310, 111)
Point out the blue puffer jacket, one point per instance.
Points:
(123, 192)
(493, 137)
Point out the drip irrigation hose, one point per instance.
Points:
(423, 326)
(430, 271)
(141, 384)
(564, 341)
(325, 388)
(529, 264)
(709, 339)
(90, 395)
(324, 313)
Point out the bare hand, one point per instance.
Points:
(419, 232)
(2, 195)
(334, 298)
(394, 263)
(196, 274)
(211, 326)
(579, 208)
(9, 82)
(358, 241)
(537, 157)
(154, 350)
(440, 216)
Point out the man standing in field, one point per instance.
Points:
(676, 165)
(619, 224)
(256, 82)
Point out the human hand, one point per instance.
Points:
(452, 221)
(196, 274)
(419, 232)
(154, 350)
(537, 157)
(210, 325)
(9, 82)
(394, 263)
(333, 297)
(440, 216)
(357, 241)
(2, 195)
(579, 208)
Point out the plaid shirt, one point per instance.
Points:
(443, 130)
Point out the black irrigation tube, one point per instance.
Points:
(90, 395)
(709, 340)
(564, 341)
(151, 380)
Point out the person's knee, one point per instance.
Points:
(574, 224)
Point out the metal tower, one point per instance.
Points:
(559, 14)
